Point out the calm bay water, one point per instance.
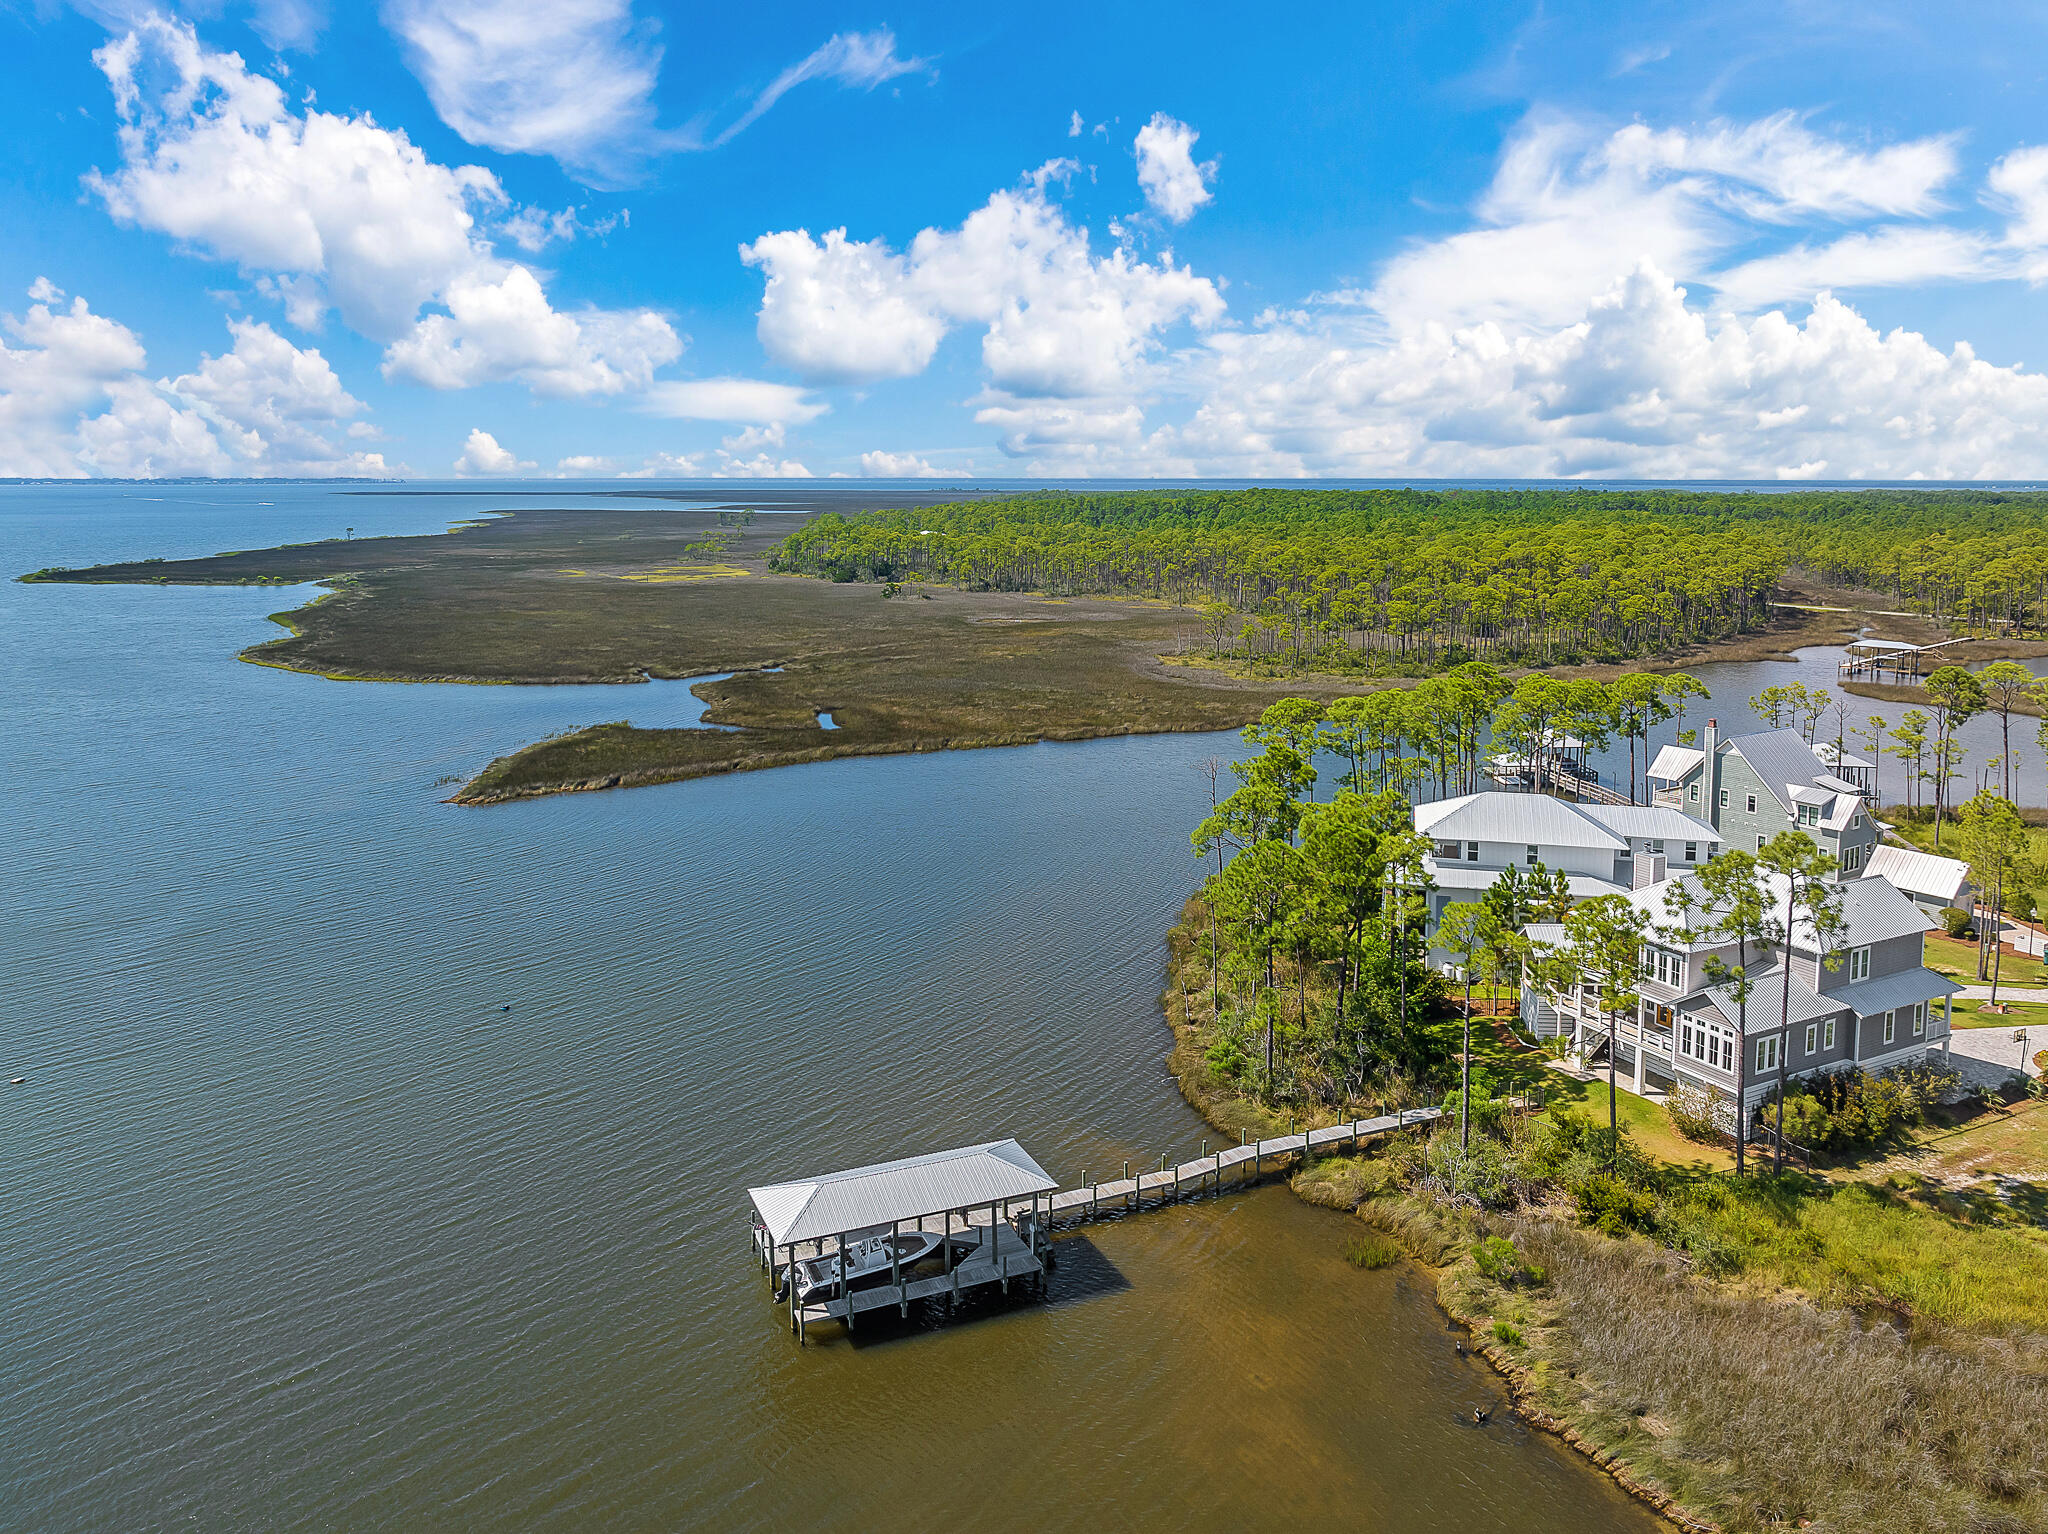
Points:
(380, 1164)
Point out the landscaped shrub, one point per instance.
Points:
(1806, 1120)
(1844, 1110)
(1956, 922)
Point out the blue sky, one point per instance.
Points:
(434, 236)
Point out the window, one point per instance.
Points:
(1812, 1036)
(1471, 852)
(1759, 841)
(1708, 1043)
(1692, 852)
(1809, 815)
(1859, 963)
(1657, 847)
(1827, 1034)
(1749, 803)
(1891, 1020)
(1919, 1018)
(1724, 798)
(1694, 795)
(1852, 858)
(1535, 855)
(1767, 1053)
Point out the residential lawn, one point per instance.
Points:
(1964, 1014)
(1959, 959)
(1645, 1121)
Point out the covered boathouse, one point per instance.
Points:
(965, 1197)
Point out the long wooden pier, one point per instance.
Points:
(993, 1242)
(1227, 1170)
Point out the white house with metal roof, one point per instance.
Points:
(1601, 849)
(1879, 1007)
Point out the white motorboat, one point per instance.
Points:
(868, 1260)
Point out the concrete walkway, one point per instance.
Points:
(1987, 1056)
(2005, 993)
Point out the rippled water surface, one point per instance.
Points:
(380, 1164)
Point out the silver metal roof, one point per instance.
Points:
(1923, 873)
(1873, 911)
(1656, 822)
(1767, 1011)
(1518, 819)
(1784, 761)
(1870, 997)
(1674, 762)
(837, 1203)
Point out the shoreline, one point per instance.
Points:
(1435, 1255)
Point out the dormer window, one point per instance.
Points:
(1809, 815)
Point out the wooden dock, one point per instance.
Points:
(1227, 1170)
(992, 1243)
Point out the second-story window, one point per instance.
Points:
(1749, 803)
(1471, 852)
(1695, 794)
(1812, 1036)
(1919, 1018)
(1827, 1034)
(1535, 855)
(1809, 815)
(1859, 963)
(1724, 798)
(1767, 1053)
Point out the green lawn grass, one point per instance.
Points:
(1959, 959)
(1645, 1121)
(1964, 1014)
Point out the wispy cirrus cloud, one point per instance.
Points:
(577, 80)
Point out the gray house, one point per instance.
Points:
(1751, 787)
(1880, 1008)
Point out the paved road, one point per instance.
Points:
(2005, 993)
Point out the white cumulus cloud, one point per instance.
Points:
(1056, 318)
(327, 209)
(884, 465)
(481, 455)
(1174, 185)
(74, 400)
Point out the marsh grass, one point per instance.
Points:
(1761, 1412)
(1372, 1250)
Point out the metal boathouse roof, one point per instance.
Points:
(838, 1202)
